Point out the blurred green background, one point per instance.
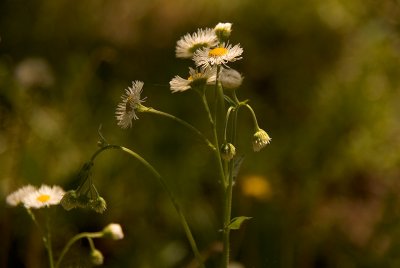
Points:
(322, 76)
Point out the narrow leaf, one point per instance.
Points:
(237, 222)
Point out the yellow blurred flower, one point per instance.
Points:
(256, 186)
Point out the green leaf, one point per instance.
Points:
(237, 222)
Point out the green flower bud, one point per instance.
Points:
(96, 257)
(228, 151)
(113, 231)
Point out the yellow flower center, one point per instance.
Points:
(218, 52)
(43, 198)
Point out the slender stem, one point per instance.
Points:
(253, 115)
(215, 137)
(48, 244)
(73, 240)
(182, 122)
(228, 198)
(161, 180)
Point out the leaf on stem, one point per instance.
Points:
(237, 222)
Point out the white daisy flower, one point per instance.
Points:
(114, 231)
(45, 196)
(126, 109)
(260, 140)
(195, 79)
(220, 55)
(189, 43)
(15, 198)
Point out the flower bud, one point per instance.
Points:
(223, 31)
(70, 200)
(230, 78)
(96, 257)
(113, 231)
(228, 151)
(260, 140)
(99, 204)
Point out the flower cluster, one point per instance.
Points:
(32, 197)
(210, 51)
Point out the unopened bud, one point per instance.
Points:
(96, 257)
(228, 151)
(230, 78)
(260, 140)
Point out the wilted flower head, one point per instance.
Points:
(196, 79)
(45, 196)
(130, 101)
(260, 140)
(99, 204)
(189, 43)
(230, 78)
(113, 231)
(223, 31)
(221, 55)
(16, 198)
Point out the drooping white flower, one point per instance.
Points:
(196, 79)
(221, 55)
(15, 198)
(260, 140)
(114, 231)
(125, 112)
(189, 43)
(45, 196)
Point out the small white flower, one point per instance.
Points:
(114, 231)
(189, 43)
(45, 196)
(220, 55)
(260, 140)
(230, 78)
(130, 100)
(195, 79)
(15, 198)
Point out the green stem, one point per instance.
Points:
(180, 121)
(48, 244)
(73, 240)
(228, 199)
(215, 137)
(161, 180)
(253, 115)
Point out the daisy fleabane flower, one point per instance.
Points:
(196, 79)
(15, 198)
(130, 100)
(221, 55)
(189, 43)
(45, 196)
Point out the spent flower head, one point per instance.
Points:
(196, 79)
(16, 197)
(45, 196)
(220, 55)
(130, 101)
(113, 231)
(189, 43)
(260, 139)
(223, 31)
(230, 78)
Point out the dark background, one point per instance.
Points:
(322, 76)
